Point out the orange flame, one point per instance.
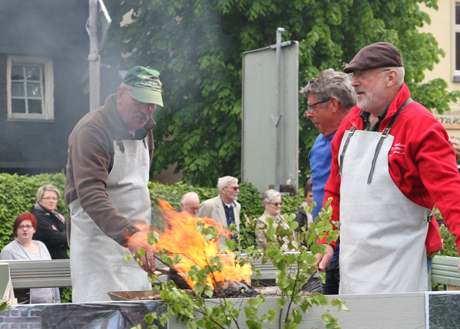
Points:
(181, 237)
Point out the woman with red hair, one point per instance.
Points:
(24, 248)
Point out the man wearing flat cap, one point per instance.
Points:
(391, 163)
(109, 156)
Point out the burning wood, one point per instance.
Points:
(183, 237)
(234, 289)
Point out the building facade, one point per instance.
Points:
(445, 27)
(43, 81)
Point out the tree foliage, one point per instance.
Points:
(197, 46)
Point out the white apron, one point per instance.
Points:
(98, 263)
(382, 233)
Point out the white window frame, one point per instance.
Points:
(47, 88)
(456, 47)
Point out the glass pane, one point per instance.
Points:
(17, 89)
(33, 72)
(457, 14)
(18, 106)
(35, 106)
(17, 72)
(34, 89)
(457, 51)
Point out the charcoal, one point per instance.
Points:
(234, 289)
(178, 280)
(223, 290)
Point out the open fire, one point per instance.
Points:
(183, 237)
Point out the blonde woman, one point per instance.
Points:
(50, 223)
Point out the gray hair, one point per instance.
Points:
(47, 188)
(331, 83)
(400, 73)
(270, 195)
(222, 182)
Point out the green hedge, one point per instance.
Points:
(17, 194)
(450, 248)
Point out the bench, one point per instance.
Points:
(39, 273)
(56, 273)
(444, 271)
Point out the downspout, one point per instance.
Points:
(279, 114)
(93, 57)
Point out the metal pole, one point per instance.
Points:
(279, 114)
(93, 57)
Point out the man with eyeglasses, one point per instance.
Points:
(391, 162)
(329, 98)
(224, 208)
(109, 156)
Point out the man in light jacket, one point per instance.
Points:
(224, 208)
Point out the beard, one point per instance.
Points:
(364, 101)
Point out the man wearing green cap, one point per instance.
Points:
(109, 156)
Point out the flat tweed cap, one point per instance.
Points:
(375, 55)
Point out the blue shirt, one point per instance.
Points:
(320, 165)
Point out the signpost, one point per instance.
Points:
(97, 27)
(270, 133)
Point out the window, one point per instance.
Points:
(30, 88)
(457, 41)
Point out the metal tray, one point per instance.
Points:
(134, 295)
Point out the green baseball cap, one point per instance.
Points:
(144, 84)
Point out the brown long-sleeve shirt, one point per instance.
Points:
(90, 160)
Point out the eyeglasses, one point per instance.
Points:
(277, 204)
(50, 198)
(25, 226)
(235, 188)
(310, 107)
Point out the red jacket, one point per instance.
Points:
(422, 161)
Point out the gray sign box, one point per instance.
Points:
(270, 134)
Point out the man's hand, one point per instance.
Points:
(324, 260)
(137, 242)
(147, 262)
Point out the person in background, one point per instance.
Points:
(456, 144)
(329, 99)
(272, 201)
(303, 214)
(190, 203)
(272, 205)
(224, 208)
(109, 155)
(23, 247)
(391, 163)
(50, 223)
